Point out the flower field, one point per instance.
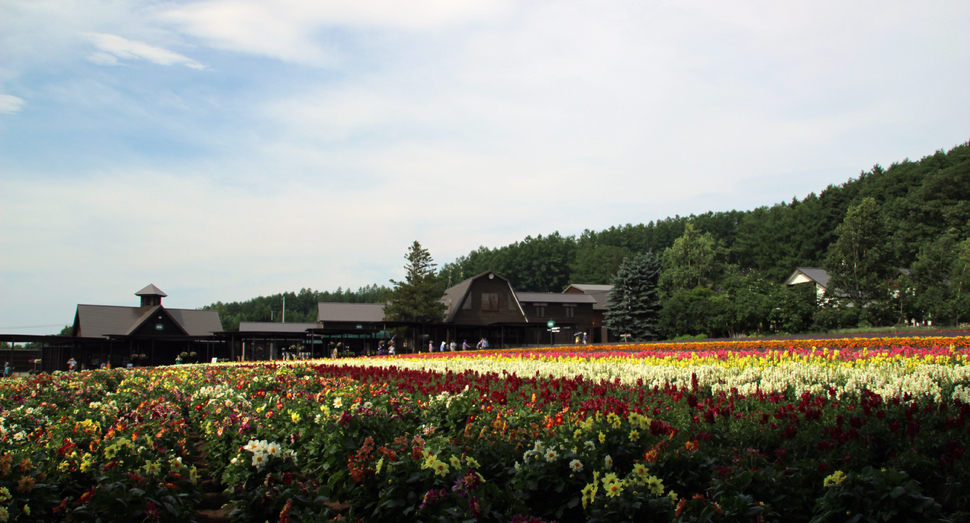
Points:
(816, 430)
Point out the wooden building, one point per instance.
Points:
(149, 334)
(601, 293)
(266, 340)
(815, 276)
(483, 306)
(353, 328)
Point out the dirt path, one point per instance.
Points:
(210, 510)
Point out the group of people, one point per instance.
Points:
(381, 351)
(451, 347)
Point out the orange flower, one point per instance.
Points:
(86, 497)
(25, 484)
(680, 506)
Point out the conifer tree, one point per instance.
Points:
(418, 297)
(635, 299)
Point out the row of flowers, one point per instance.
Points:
(754, 344)
(801, 434)
(939, 373)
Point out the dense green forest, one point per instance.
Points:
(918, 201)
(911, 215)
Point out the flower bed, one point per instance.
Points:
(751, 434)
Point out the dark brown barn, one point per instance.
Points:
(598, 332)
(149, 334)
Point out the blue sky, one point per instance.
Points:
(228, 149)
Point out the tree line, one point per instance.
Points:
(895, 240)
(300, 306)
(918, 202)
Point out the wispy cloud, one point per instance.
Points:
(10, 104)
(313, 31)
(112, 47)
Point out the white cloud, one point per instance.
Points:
(10, 104)
(111, 47)
(292, 30)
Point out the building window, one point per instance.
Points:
(540, 311)
(570, 311)
(490, 301)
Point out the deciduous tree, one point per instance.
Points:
(695, 260)
(859, 261)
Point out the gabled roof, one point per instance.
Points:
(101, 321)
(350, 312)
(151, 290)
(554, 297)
(151, 314)
(600, 292)
(587, 288)
(455, 295)
(809, 274)
(197, 322)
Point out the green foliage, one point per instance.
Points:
(872, 496)
(793, 308)
(700, 310)
(418, 297)
(598, 264)
(754, 299)
(540, 264)
(918, 202)
(859, 264)
(695, 260)
(960, 282)
(635, 298)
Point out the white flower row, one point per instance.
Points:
(887, 378)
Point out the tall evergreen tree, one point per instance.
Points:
(635, 298)
(418, 297)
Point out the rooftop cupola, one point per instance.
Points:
(151, 296)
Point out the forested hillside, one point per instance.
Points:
(722, 272)
(918, 202)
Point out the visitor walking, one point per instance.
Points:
(71, 365)
(465, 345)
(442, 348)
(452, 346)
(7, 370)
